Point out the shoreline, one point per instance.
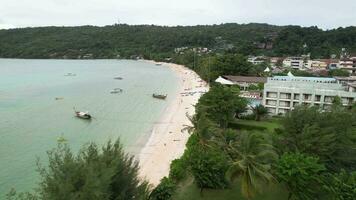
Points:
(166, 142)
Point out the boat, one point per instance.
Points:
(118, 78)
(158, 64)
(116, 91)
(61, 139)
(159, 96)
(59, 98)
(82, 115)
(70, 74)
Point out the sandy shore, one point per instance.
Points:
(167, 141)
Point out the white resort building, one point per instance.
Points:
(282, 93)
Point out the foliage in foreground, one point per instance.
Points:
(331, 135)
(342, 185)
(164, 190)
(252, 155)
(107, 173)
(302, 174)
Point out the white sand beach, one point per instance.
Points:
(167, 141)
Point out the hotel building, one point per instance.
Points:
(283, 93)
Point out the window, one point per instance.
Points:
(317, 98)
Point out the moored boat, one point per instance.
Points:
(159, 96)
(116, 91)
(82, 115)
(61, 139)
(70, 74)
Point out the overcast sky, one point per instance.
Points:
(326, 14)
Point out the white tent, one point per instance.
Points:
(290, 74)
(267, 69)
(223, 81)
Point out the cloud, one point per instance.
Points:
(3, 25)
(6, 26)
(323, 13)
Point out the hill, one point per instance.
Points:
(148, 40)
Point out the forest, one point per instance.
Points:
(158, 42)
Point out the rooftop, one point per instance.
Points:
(342, 78)
(247, 79)
(303, 79)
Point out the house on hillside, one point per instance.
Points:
(348, 64)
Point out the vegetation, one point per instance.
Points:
(306, 154)
(302, 174)
(259, 111)
(252, 155)
(339, 72)
(94, 173)
(342, 185)
(331, 136)
(221, 105)
(189, 191)
(164, 190)
(125, 41)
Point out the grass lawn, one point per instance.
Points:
(189, 191)
(268, 124)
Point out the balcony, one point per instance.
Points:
(284, 104)
(271, 95)
(271, 102)
(285, 96)
(307, 97)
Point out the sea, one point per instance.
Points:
(38, 99)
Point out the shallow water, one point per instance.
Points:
(32, 120)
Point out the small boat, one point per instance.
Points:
(116, 91)
(70, 74)
(158, 64)
(159, 96)
(118, 78)
(82, 115)
(61, 139)
(59, 98)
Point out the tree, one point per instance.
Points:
(259, 111)
(208, 166)
(302, 175)
(342, 186)
(331, 136)
(164, 190)
(252, 156)
(105, 174)
(231, 64)
(221, 105)
(339, 72)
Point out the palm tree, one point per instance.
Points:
(259, 111)
(252, 158)
(203, 127)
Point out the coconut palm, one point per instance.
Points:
(259, 111)
(201, 125)
(252, 157)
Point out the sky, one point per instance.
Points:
(326, 14)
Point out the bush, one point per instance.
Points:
(247, 117)
(208, 167)
(178, 169)
(95, 173)
(246, 127)
(164, 190)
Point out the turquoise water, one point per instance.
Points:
(32, 120)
